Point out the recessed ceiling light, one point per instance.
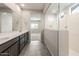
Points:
(22, 5)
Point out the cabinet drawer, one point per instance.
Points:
(7, 44)
(21, 43)
(14, 50)
(5, 53)
(22, 36)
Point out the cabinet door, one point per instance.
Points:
(25, 38)
(5, 53)
(28, 39)
(21, 43)
(14, 50)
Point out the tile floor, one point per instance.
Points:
(35, 36)
(35, 48)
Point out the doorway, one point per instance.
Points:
(35, 33)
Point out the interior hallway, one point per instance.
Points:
(35, 48)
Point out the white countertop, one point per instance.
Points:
(4, 37)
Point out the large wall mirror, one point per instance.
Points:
(8, 19)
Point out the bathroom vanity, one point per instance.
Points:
(13, 44)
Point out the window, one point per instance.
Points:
(75, 9)
(34, 26)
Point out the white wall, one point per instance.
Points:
(69, 34)
(73, 27)
(51, 22)
(21, 22)
(0, 23)
(51, 33)
(16, 22)
(25, 20)
(63, 37)
(56, 34)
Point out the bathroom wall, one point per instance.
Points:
(21, 22)
(50, 33)
(56, 32)
(25, 20)
(69, 34)
(63, 37)
(63, 29)
(0, 23)
(50, 39)
(73, 22)
(51, 30)
(15, 22)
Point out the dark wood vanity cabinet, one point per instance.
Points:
(11, 48)
(26, 38)
(5, 53)
(14, 50)
(22, 41)
(14, 46)
(11, 51)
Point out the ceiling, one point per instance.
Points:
(38, 6)
(65, 5)
(32, 6)
(54, 8)
(4, 7)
